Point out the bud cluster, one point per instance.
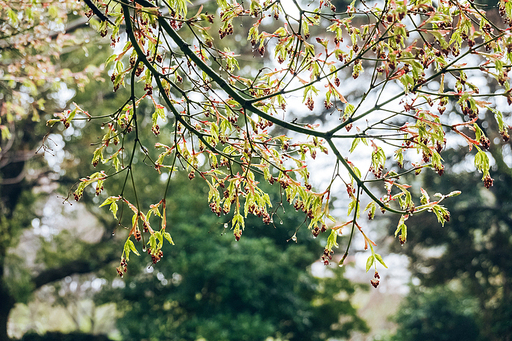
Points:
(122, 268)
(375, 280)
(327, 256)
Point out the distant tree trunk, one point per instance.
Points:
(6, 301)
(11, 185)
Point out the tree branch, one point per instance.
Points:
(71, 268)
(96, 11)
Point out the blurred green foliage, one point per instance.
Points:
(438, 314)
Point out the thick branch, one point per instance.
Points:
(96, 11)
(244, 102)
(71, 268)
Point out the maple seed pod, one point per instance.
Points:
(439, 147)
(283, 183)
(310, 103)
(374, 282)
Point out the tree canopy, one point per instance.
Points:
(236, 122)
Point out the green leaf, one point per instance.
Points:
(113, 205)
(132, 247)
(127, 249)
(110, 59)
(331, 240)
(381, 261)
(370, 262)
(167, 236)
(349, 110)
(354, 144)
(152, 243)
(482, 162)
(113, 209)
(160, 238)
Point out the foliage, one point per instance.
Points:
(213, 287)
(312, 296)
(33, 37)
(474, 250)
(436, 315)
(230, 126)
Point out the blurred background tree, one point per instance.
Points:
(437, 314)
(33, 38)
